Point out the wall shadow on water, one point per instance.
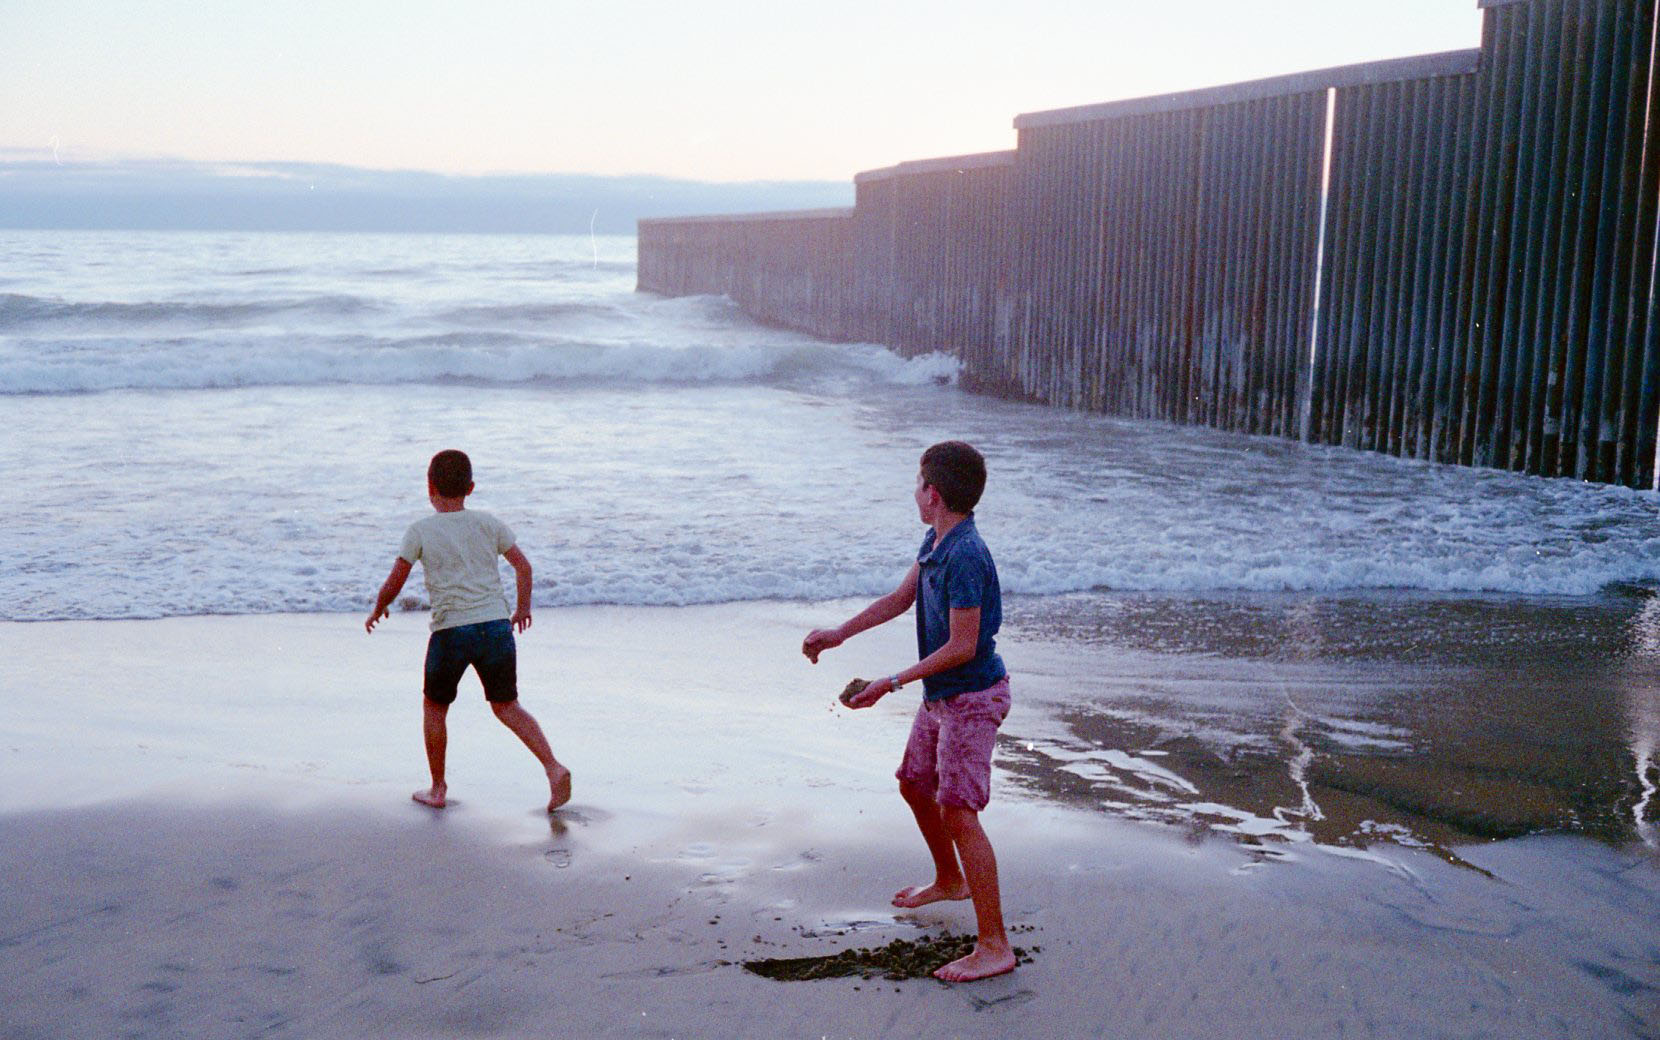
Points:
(1347, 721)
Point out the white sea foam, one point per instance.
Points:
(483, 356)
(649, 451)
(606, 334)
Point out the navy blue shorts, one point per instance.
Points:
(487, 646)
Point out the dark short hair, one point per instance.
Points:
(957, 472)
(451, 473)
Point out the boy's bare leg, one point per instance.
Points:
(948, 876)
(524, 726)
(992, 954)
(437, 740)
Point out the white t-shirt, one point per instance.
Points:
(457, 552)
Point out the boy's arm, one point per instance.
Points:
(880, 612)
(521, 579)
(388, 592)
(958, 650)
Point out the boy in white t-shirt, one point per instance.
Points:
(471, 625)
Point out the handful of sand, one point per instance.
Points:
(853, 689)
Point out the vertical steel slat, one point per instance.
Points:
(1550, 192)
(1307, 223)
(1451, 182)
(1292, 197)
(1438, 122)
(1247, 265)
(1500, 191)
(1365, 261)
(1068, 377)
(1190, 211)
(1014, 279)
(1137, 283)
(1168, 268)
(1294, 224)
(1337, 277)
(1408, 246)
(1460, 271)
(1478, 220)
(1415, 307)
(1082, 369)
(1101, 263)
(1584, 252)
(1085, 236)
(1144, 285)
(1128, 292)
(1252, 268)
(1117, 213)
(1080, 289)
(1613, 244)
(1043, 247)
(1216, 227)
(1043, 251)
(1278, 141)
(1524, 229)
(1378, 200)
(1036, 237)
(1629, 460)
(1203, 237)
(1648, 407)
(1351, 375)
(1280, 184)
(1262, 388)
(1561, 344)
(1240, 267)
(1402, 243)
(1227, 214)
(1396, 215)
(1046, 229)
(1177, 256)
(1125, 269)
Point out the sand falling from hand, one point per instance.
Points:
(900, 959)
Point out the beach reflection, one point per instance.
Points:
(1280, 720)
(1642, 717)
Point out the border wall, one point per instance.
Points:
(1448, 257)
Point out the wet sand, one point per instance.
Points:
(1243, 816)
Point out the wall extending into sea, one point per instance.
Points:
(1448, 257)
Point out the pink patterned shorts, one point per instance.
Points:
(951, 742)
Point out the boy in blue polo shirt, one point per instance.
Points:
(945, 776)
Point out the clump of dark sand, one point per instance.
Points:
(900, 959)
(853, 688)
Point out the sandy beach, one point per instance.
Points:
(206, 831)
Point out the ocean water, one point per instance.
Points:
(240, 424)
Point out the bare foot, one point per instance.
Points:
(922, 895)
(559, 784)
(979, 964)
(433, 796)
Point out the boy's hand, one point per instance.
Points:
(521, 620)
(820, 640)
(374, 618)
(870, 694)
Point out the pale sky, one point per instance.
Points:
(728, 90)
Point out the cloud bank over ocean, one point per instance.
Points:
(40, 192)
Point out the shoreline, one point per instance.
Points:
(208, 828)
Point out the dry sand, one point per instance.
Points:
(205, 831)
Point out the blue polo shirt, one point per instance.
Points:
(958, 572)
